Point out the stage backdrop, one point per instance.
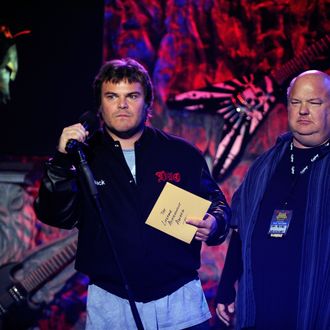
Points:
(57, 62)
(220, 70)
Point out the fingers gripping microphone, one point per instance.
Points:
(90, 122)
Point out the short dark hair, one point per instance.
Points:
(128, 69)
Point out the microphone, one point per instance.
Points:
(90, 122)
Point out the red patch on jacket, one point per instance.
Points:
(168, 176)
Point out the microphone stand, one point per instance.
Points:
(89, 180)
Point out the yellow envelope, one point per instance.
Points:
(173, 206)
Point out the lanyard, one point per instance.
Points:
(306, 167)
(319, 153)
(281, 217)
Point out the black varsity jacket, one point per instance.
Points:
(154, 263)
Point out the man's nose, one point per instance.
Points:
(122, 103)
(304, 108)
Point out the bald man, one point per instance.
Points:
(280, 249)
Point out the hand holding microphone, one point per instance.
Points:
(76, 133)
(72, 136)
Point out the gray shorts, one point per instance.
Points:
(182, 309)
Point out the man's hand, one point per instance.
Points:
(226, 313)
(74, 132)
(205, 227)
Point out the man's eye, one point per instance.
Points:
(133, 96)
(295, 102)
(318, 103)
(111, 96)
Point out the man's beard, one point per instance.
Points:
(129, 133)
